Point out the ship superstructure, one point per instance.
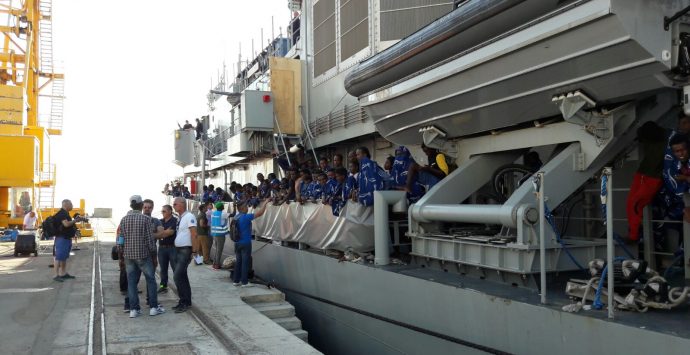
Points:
(487, 83)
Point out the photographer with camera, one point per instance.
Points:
(64, 225)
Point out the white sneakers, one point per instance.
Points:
(156, 311)
(249, 284)
(153, 312)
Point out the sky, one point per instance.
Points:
(133, 69)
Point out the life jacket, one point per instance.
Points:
(219, 225)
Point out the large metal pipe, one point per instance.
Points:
(473, 23)
(488, 214)
(382, 237)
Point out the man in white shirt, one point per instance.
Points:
(30, 221)
(185, 239)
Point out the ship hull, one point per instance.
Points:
(354, 308)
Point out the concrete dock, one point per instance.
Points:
(85, 315)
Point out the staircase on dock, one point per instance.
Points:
(274, 306)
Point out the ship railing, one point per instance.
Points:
(607, 200)
(341, 118)
(686, 242)
(247, 76)
(294, 31)
(47, 173)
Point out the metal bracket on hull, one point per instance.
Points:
(572, 106)
(443, 202)
(433, 137)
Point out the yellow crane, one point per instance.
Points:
(27, 80)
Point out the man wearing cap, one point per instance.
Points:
(139, 247)
(185, 238)
(219, 229)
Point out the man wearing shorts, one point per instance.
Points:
(64, 225)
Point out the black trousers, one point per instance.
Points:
(123, 279)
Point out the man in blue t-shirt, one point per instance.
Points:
(369, 179)
(243, 248)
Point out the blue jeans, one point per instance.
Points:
(134, 269)
(243, 251)
(182, 259)
(166, 256)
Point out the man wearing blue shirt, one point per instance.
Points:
(399, 170)
(369, 179)
(337, 198)
(166, 246)
(318, 187)
(305, 186)
(350, 186)
(243, 248)
(676, 176)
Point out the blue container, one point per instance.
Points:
(10, 235)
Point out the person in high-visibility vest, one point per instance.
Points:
(219, 229)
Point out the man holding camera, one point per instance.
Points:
(63, 240)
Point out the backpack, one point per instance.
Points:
(114, 253)
(48, 227)
(234, 230)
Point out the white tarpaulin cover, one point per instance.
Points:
(315, 225)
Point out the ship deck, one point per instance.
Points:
(673, 322)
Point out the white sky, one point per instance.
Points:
(133, 69)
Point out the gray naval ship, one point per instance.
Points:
(479, 264)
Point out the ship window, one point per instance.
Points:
(324, 36)
(400, 18)
(354, 27)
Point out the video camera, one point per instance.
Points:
(80, 218)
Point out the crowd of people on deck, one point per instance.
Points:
(176, 189)
(331, 182)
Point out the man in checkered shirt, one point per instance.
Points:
(139, 249)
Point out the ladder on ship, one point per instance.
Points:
(279, 141)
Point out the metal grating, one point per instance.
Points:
(354, 27)
(400, 18)
(324, 36)
(341, 118)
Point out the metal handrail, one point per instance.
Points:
(608, 174)
(542, 235)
